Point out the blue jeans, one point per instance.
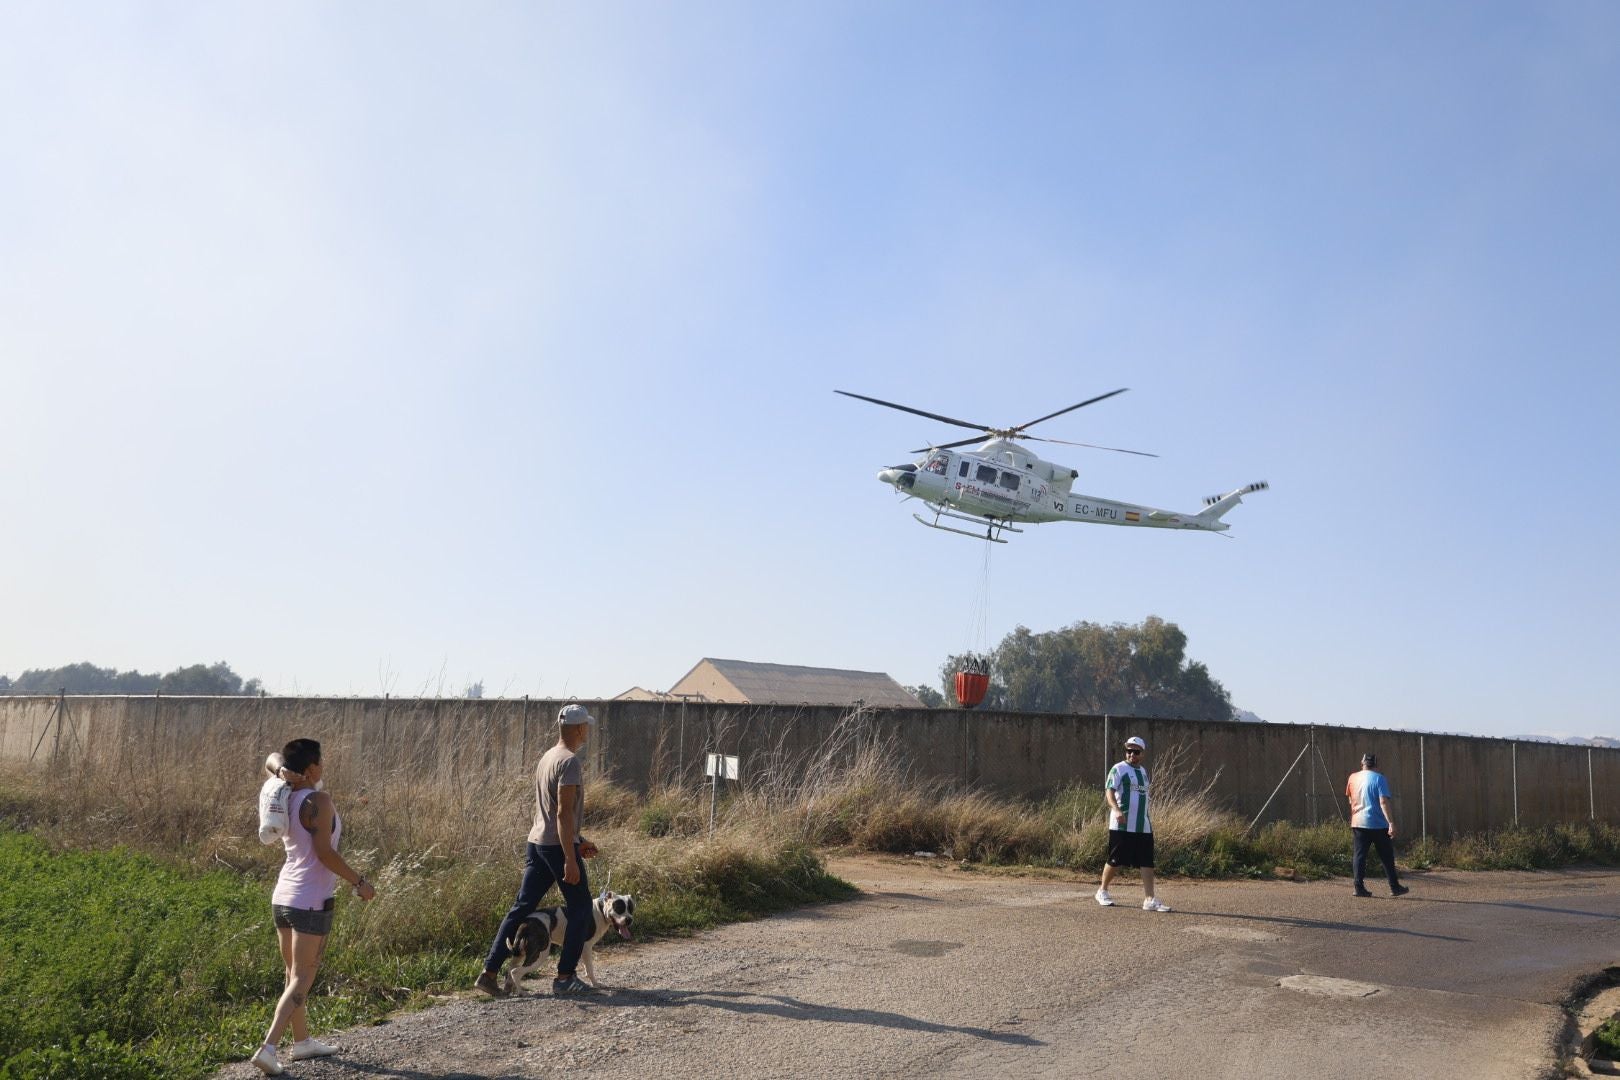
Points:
(544, 868)
(1378, 838)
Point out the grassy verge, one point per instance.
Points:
(119, 964)
(134, 921)
(162, 962)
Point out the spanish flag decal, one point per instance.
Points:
(1132, 515)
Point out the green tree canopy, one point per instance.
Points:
(1087, 668)
(931, 698)
(86, 678)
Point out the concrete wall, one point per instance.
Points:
(1443, 784)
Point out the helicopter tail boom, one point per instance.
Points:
(1216, 506)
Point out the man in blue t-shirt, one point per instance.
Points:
(1371, 823)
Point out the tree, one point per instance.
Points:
(1121, 670)
(86, 678)
(931, 698)
(217, 679)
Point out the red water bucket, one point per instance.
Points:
(970, 687)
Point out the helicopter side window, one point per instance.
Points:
(1009, 480)
(963, 471)
(986, 474)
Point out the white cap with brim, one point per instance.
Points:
(574, 714)
(1136, 742)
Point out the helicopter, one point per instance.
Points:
(1001, 482)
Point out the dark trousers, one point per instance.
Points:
(543, 869)
(1378, 838)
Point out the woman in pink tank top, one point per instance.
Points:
(302, 902)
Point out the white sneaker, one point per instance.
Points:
(310, 1048)
(266, 1061)
(1104, 899)
(1153, 903)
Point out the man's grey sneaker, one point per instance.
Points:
(310, 1048)
(490, 984)
(1399, 890)
(266, 1061)
(1153, 903)
(571, 985)
(1104, 899)
(1363, 893)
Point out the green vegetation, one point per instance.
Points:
(1606, 1040)
(85, 678)
(1539, 848)
(1090, 669)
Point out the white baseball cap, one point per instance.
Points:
(574, 714)
(1136, 742)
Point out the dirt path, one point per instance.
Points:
(939, 972)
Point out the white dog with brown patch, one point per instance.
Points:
(531, 945)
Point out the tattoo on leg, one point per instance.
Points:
(297, 999)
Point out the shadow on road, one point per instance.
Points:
(338, 1066)
(793, 1009)
(1319, 924)
(1513, 904)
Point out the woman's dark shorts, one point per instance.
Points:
(1130, 848)
(304, 920)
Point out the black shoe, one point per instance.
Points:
(1363, 892)
(571, 986)
(1398, 890)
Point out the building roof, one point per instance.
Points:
(754, 683)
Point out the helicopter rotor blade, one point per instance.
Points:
(952, 445)
(919, 412)
(1071, 408)
(1093, 446)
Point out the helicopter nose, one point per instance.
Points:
(899, 477)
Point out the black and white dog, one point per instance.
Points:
(531, 945)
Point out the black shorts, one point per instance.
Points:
(303, 920)
(1130, 848)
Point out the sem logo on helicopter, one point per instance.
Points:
(1001, 482)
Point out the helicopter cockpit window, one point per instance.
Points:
(937, 464)
(986, 474)
(1009, 480)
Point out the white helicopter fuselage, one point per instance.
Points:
(1002, 481)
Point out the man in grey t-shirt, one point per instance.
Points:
(555, 856)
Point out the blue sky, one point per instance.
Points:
(389, 347)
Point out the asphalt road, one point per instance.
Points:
(937, 971)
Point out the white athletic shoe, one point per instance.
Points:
(1104, 899)
(1153, 903)
(310, 1048)
(266, 1061)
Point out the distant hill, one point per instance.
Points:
(1571, 740)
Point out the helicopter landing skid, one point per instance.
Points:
(992, 527)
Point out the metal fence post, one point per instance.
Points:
(1423, 789)
(1515, 785)
(1106, 762)
(1313, 776)
(1591, 793)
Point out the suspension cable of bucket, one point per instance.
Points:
(973, 678)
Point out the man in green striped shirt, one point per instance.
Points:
(1130, 832)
